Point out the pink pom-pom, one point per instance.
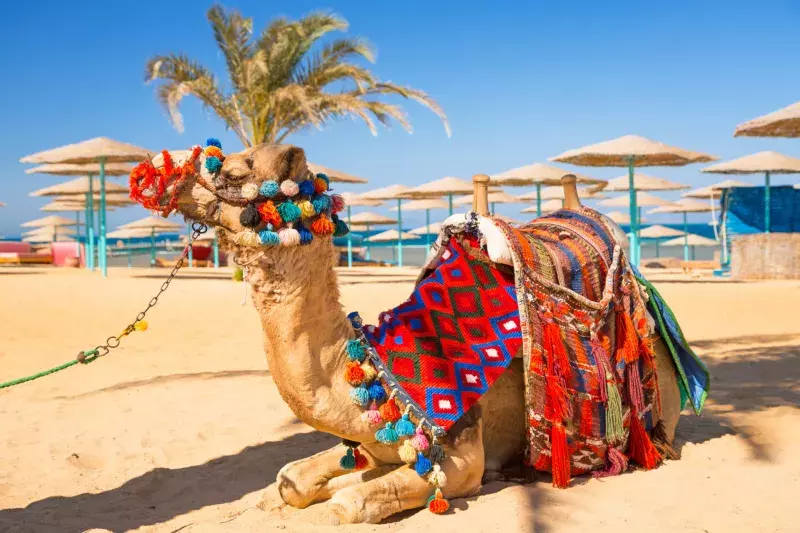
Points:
(419, 441)
(373, 416)
(289, 236)
(337, 202)
(289, 188)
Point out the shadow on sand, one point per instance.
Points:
(164, 493)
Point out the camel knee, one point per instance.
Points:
(297, 485)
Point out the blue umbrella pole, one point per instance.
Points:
(349, 241)
(103, 251)
(400, 232)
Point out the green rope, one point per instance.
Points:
(87, 358)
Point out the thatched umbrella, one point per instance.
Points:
(557, 193)
(658, 232)
(759, 163)
(715, 191)
(153, 225)
(50, 229)
(622, 218)
(392, 235)
(335, 175)
(494, 197)
(685, 206)
(692, 240)
(392, 192)
(44, 236)
(632, 151)
(540, 175)
(50, 220)
(547, 207)
(427, 230)
(353, 200)
(643, 182)
(363, 221)
(448, 187)
(426, 205)
(50, 232)
(781, 123)
(101, 151)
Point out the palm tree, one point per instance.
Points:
(284, 81)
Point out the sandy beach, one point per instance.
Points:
(182, 429)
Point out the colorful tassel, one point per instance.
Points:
(556, 402)
(616, 463)
(249, 191)
(407, 453)
(376, 391)
(340, 227)
(614, 429)
(369, 372)
(372, 416)
(601, 361)
(348, 462)
(635, 392)
(269, 238)
(359, 396)
(587, 421)
(337, 203)
(361, 460)
(389, 411)
(640, 447)
(269, 188)
(306, 209)
(554, 346)
(437, 504)
(404, 426)
(323, 226)
(213, 151)
(420, 441)
(355, 350)
(437, 477)
(289, 237)
(288, 211)
(560, 460)
(353, 373)
(627, 341)
(423, 464)
(269, 214)
(213, 141)
(289, 188)
(387, 435)
(320, 185)
(307, 188)
(247, 238)
(250, 218)
(436, 452)
(321, 203)
(213, 164)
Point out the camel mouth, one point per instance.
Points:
(232, 195)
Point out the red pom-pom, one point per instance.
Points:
(389, 411)
(269, 214)
(559, 450)
(354, 374)
(323, 226)
(437, 504)
(361, 460)
(640, 447)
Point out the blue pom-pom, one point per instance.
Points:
(289, 212)
(376, 392)
(307, 188)
(269, 238)
(324, 177)
(423, 465)
(269, 188)
(213, 141)
(305, 235)
(355, 320)
(348, 462)
(213, 164)
(386, 435)
(321, 203)
(404, 427)
(360, 396)
(355, 350)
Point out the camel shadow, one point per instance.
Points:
(164, 493)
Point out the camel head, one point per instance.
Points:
(261, 198)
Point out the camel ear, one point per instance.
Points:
(278, 162)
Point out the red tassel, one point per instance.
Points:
(616, 463)
(556, 406)
(554, 346)
(587, 421)
(635, 391)
(627, 341)
(640, 447)
(602, 363)
(361, 460)
(559, 451)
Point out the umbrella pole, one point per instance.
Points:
(693, 253)
(152, 247)
(191, 251)
(685, 237)
(130, 256)
(103, 258)
(634, 251)
(766, 203)
(400, 230)
(90, 224)
(493, 208)
(658, 254)
(349, 242)
(368, 254)
(86, 219)
(216, 251)
(78, 232)
(450, 200)
(538, 199)
(427, 230)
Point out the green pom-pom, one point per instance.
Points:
(355, 350)
(386, 435)
(289, 212)
(341, 227)
(348, 462)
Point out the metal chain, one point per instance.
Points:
(198, 228)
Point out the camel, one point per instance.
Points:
(305, 330)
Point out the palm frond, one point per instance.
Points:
(233, 33)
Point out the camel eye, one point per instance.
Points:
(235, 175)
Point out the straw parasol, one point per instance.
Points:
(557, 193)
(352, 200)
(391, 235)
(781, 123)
(426, 205)
(632, 151)
(80, 187)
(658, 232)
(715, 191)
(496, 197)
(427, 229)
(44, 237)
(371, 219)
(64, 207)
(50, 229)
(540, 175)
(448, 186)
(335, 175)
(766, 162)
(154, 225)
(101, 151)
(685, 206)
(643, 182)
(547, 207)
(50, 220)
(622, 218)
(691, 240)
(643, 200)
(392, 192)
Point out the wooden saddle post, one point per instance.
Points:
(480, 194)
(571, 199)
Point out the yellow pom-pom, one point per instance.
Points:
(369, 372)
(407, 453)
(141, 325)
(307, 209)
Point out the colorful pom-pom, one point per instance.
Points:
(436, 453)
(306, 188)
(404, 426)
(337, 203)
(354, 374)
(423, 464)
(321, 203)
(289, 188)
(289, 237)
(323, 226)
(269, 238)
(348, 462)
(249, 191)
(305, 236)
(355, 350)
(307, 209)
(213, 164)
(437, 477)
(420, 441)
(389, 411)
(214, 151)
(340, 227)
(437, 504)
(376, 391)
(387, 435)
(372, 416)
(250, 218)
(369, 372)
(289, 212)
(247, 238)
(359, 396)
(269, 188)
(407, 453)
(320, 185)
(213, 141)
(361, 460)
(324, 177)
(269, 214)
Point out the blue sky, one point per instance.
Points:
(520, 82)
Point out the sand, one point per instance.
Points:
(182, 429)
